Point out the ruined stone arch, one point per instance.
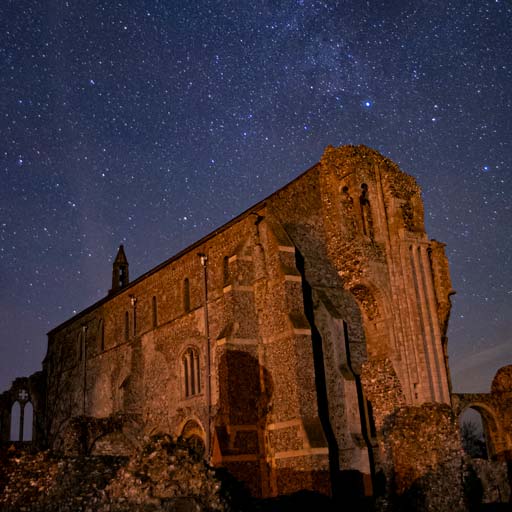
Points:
(14, 426)
(376, 312)
(493, 430)
(193, 432)
(21, 413)
(191, 425)
(28, 422)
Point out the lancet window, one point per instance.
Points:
(191, 371)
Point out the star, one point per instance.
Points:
(197, 111)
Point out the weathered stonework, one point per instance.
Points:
(496, 411)
(281, 345)
(164, 474)
(423, 465)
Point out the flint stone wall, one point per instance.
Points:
(424, 464)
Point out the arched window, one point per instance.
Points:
(366, 214)
(186, 295)
(28, 419)
(15, 421)
(191, 372)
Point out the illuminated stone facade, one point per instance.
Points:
(326, 310)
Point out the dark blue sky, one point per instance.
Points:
(150, 123)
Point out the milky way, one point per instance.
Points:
(152, 123)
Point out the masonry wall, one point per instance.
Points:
(330, 275)
(258, 406)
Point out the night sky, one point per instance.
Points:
(150, 123)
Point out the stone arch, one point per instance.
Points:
(14, 433)
(21, 415)
(345, 195)
(28, 421)
(27, 393)
(376, 312)
(117, 434)
(493, 431)
(193, 432)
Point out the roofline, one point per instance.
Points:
(258, 206)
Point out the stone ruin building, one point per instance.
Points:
(302, 345)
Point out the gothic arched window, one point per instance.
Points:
(191, 372)
(15, 422)
(366, 214)
(28, 419)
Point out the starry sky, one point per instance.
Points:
(150, 123)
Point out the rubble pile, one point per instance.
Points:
(166, 474)
(45, 482)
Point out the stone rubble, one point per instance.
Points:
(165, 475)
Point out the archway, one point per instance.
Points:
(194, 435)
(28, 420)
(376, 314)
(479, 431)
(15, 422)
(472, 434)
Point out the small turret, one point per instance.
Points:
(120, 277)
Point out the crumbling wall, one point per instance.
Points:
(24, 391)
(492, 485)
(116, 434)
(382, 389)
(422, 461)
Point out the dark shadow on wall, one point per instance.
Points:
(245, 388)
(321, 385)
(245, 394)
(347, 486)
